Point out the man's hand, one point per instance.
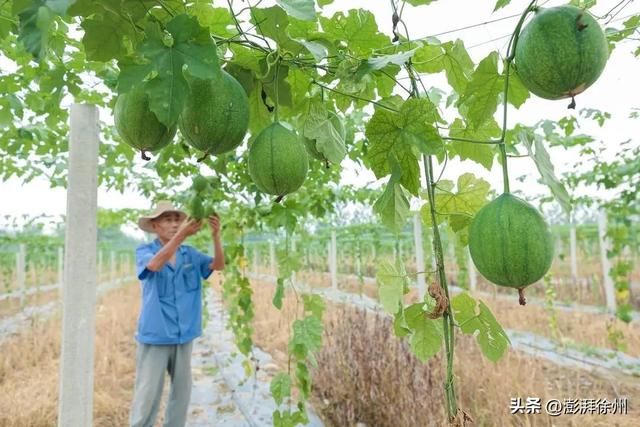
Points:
(214, 224)
(190, 227)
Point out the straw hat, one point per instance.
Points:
(144, 222)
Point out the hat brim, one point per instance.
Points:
(146, 222)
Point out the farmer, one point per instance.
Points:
(171, 275)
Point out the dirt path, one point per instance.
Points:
(221, 394)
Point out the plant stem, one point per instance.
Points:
(447, 317)
(448, 322)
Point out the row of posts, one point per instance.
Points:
(604, 244)
(21, 268)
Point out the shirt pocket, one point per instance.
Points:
(191, 278)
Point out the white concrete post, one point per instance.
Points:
(471, 271)
(272, 256)
(605, 245)
(255, 258)
(20, 273)
(573, 252)
(75, 407)
(420, 267)
(333, 265)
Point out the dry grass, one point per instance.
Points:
(582, 328)
(11, 306)
(29, 368)
(366, 375)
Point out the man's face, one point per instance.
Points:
(166, 225)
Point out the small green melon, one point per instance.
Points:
(278, 161)
(137, 125)
(510, 242)
(560, 52)
(215, 117)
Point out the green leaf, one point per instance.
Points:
(190, 46)
(314, 304)
(400, 327)
(259, 115)
(419, 2)
(272, 22)
(393, 205)
(458, 208)
(491, 337)
(280, 387)
(392, 285)
(500, 4)
(542, 161)
(323, 3)
(518, 93)
(217, 19)
(457, 65)
(279, 294)
(404, 134)
(307, 337)
(303, 379)
(301, 9)
(322, 128)
(379, 62)
(482, 94)
(358, 30)
(426, 339)
(479, 153)
(103, 39)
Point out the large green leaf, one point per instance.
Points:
(358, 30)
(537, 151)
(479, 153)
(272, 22)
(307, 336)
(426, 339)
(392, 285)
(481, 95)
(492, 338)
(405, 134)
(280, 387)
(393, 205)
(450, 57)
(320, 128)
(191, 46)
(301, 9)
(458, 208)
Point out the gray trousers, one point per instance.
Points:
(152, 361)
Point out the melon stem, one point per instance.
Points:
(144, 156)
(523, 300)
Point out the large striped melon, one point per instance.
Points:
(510, 242)
(137, 125)
(560, 52)
(215, 117)
(278, 161)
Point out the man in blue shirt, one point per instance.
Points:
(170, 318)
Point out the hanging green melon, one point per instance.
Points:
(278, 161)
(137, 125)
(215, 116)
(561, 52)
(510, 243)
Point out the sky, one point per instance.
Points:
(610, 93)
